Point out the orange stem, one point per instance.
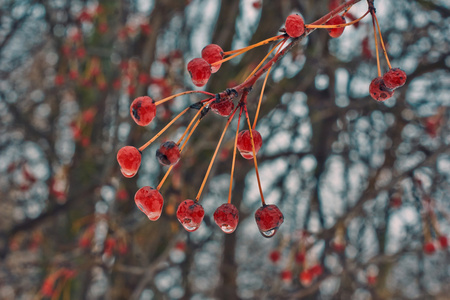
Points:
(142, 148)
(234, 156)
(382, 42)
(254, 156)
(181, 94)
(376, 46)
(263, 88)
(338, 25)
(215, 154)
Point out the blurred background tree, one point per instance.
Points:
(363, 185)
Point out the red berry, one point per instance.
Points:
(300, 257)
(200, 71)
(394, 78)
(226, 217)
(443, 241)
(143, 110)
(316, 270)
(129, 159)
(371, 279)
(190, 214)
(286, 276)
(150, 202)
(429, 248)
(244, 143)
(379, 91)
(338, 246)
(268, 218)
(295, 26)
(223, 108)
(306, 278)
(336, 32)
(168, 154)
(275, 256)
(211, 54)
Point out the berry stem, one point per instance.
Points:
(264, 59)
(382, 42)
(264, 42)
(215, 154)
(234, 156)
(263, 88)
(376, 44)
(338, 25)
(181, 94)
(164, 178)
(142, 148)
(189, 126)
(243, 50)
(254, 155)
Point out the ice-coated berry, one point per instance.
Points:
(443, 241)
(143, 110)
(168, 154)
(379, 91)
(150, 202)
(200, 71)
(429, 248)
(336, 32)
(190, 214)
(286, 276)
(295, 26)
(244, 143)
(211, 54)
(394, 78)
(226, 217)
(306, 278)
(223, 108)
(129, 159)
(268, 218)
(275, 256)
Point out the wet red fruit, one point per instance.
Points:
(286, 276)
(190, 214)
(268, 218)
(306, 278)
(223, 108)
(244, 143)
(150, 202)
(394, 78)
(226, 217)
(200, 71)
(211, 54)
(168, 154)
(295, 26)
(429, 248)
(275, 256)
(379, 91)
(143, 110)
(443, 241)
(129, 159)
(316, 270)
(336, 32)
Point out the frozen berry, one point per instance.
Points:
(211, 54)
(268, 218)
(429, 248)
(336, 32)
(394, 78)
(226, 217)
(150, 202)
(168, 154)
(306, 278)
(190, 214)
(316, 270)
(143, 110)
(275, 256)
(443, 241)
(223, 108)
(286, 276)
(295, 26)
(379, 91)
(129, 159)
(200, 71)
(244, 143)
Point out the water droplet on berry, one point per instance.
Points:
(190, 214)
(226, 217)
(244, 143)
(227, 229)
(269, 233)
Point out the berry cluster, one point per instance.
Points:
(248, 142)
